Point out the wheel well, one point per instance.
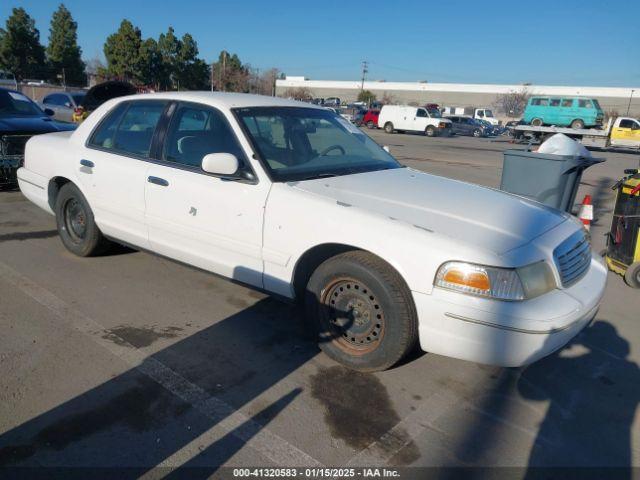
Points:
(310, 260)
(55, 184)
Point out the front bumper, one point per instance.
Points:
(508, 334)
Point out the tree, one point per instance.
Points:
(512, 103)
(20, 50)
(299, 93)
(366, 96)
(388, 99)
(122, 51)
(63, 51)
(192, 72)
(229, 75)
(151, 66)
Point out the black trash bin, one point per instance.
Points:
(547, 178)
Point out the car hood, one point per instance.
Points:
(32, 124)
(479, 216)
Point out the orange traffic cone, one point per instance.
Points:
(586, 212)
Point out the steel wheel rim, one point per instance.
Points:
(353, 315)
(75, 220)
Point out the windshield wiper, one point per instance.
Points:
(320, 175)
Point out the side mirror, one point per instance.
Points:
(67, 104)
(49, 112)
(222, 164)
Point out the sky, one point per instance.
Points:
(562, 42)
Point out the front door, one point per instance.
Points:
(112, 169)
(626, 133)
(199, 219)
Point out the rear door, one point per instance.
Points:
(197, 218)
(112, 168)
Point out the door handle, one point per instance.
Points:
(158, 181)
(86, 163)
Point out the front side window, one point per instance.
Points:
(129, 128)
(585, 104)
(298, 143)
(488, 113)
(195, 132)
(555, 102)
(421, 112)
(626, 123)
(567, 102)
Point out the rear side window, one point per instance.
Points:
(56, 99)
(567, 102)
(555, 102)
(129, 128)
(585, 104)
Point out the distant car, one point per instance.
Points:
(357, 119)
(466, 126)
(370, 118)
(20, 119)
(8, 80)
(332, 102)
(63, 104)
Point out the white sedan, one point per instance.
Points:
(294, 200)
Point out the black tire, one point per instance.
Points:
(577, 124)
(388, 127)
(370, 125)
(430, 131)
(363, 311)
(76, 227)
(477, 133)
(632, 275)
(537, 122)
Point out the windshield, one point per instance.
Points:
(298, 143)
(488, 113)
(434, 113)
(14, 103)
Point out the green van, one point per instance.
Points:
(574, 112)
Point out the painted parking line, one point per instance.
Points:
(226, 418)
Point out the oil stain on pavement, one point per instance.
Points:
(139, 337)
(357, 408)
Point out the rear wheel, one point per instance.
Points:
(76, 226)
(388, 127)
(632, 275)
(536, 122)
(363, 311)
(430, 131)
(578, 124)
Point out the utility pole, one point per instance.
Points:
(365, 70)
(630, 97)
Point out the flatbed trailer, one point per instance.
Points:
(621, 132)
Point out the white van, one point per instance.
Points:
(400, 118)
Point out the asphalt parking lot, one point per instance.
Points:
(130, 360)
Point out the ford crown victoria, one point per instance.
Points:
(294, 200)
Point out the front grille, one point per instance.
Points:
(13, 145)
(573, 257)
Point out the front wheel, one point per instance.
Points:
(370, 124)
(430, 131)
(76, 226)
(388, 127)
(477, 133)
(363, 311)
(632, 275)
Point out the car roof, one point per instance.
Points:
(223, 99)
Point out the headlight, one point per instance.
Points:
(500, 283)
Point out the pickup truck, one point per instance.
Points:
(622, 132)
(292, 199)
(473, 112)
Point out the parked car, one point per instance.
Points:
(332, 102)
(100, 93)
(473, 112)
(413, 119)
(489, 129)
(574, 112)
(63, 104)
(466, 126)
(8, 80)
(20, 119)
(288, 198)
(370, 118)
